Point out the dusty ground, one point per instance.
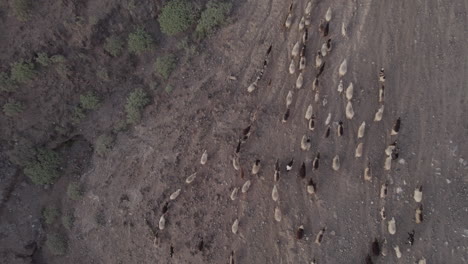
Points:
(422, 46)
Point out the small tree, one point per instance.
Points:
(50, 214)
(44, 169)
(75, 191)
(13, 108)
(177, 16)
(165, 65)
(57, 244)
(22, 71)
(104, 144)
(139, 41)
(114, 46)
(43, 59)
(22, 9)
(136, 101)
(214, 15)
(6, 83)
(89, 101)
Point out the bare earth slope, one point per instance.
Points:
(421, 45)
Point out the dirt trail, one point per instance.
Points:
(421, 46)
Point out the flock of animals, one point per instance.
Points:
(297, 65)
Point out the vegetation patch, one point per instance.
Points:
(22, 71)
(114, 46)
(50, 214)
(177, 16)
(75, 191)
(22, 9)
(139, 41)
(68, 220)
(89, 101)
(136, 101)
(57, 244)
(43, 59)
(165, 65)
(213, 16)
(104, 144)
(6, 83)
(44, 169)
(13, 108)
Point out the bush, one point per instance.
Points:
(103, 74)
(57, 244)
(136, 101)
(114, 46)
(78, 114)
(6, 83)
(44, 169)
(50, 214)
(165, 65)
(104, 144)
(22, 71)
(58, 59)
(214, 15)
(22, 9)
(43, 59)
(177, 16)
(68, 220)
(13, 108)
(75, 191)
(139, 41)
(89, 101)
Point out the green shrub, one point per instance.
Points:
(114, 46)
(58, 59)
(57, 244)
(214, 15)
(89, 101)
(103, 74)
(6, 83)
(139, 41)
(22, 71)
(177, 16)
(13, 108)
(43, 59)
(50, 214)
(136, 101)
(104, 144)
(68, 220)
(75, 191)
(44, 169)
(22, 9)
(165, 65)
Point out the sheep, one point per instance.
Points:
(234, 193)
(324, 50)
(277, 214)
(395, 128)
(235, 226)
(300, 81)
(289, 165)
(162, 222)
(328, 120)
(302, 63)
(289, 98)
(311, 187)
(349, 91)
(381, 93)
(309, 112)
(256, 167)
(392, 226)
(339, 130)
(327, 132)
(379, 114)
(319, 238)
(302, 171)
(274, 193)
(390, 148)
(307, 21)
(343, 68)
(367, 173)
(318, 59)
(235, 162)
(328, 15)
(422, 261)
(305, 143)
(397, 251)
(246, 186)
(336, 163)
(418, 216)
(277, 171)
(312, 123)
(358, 152)
(340, 86)
(384, 248)
(286, 116)
(191, 178)
(300, 232)
(204, 157)
(302, 23)
(418, 194)
(349, 110)
(315, 84)
(376, 247)
(292, 67)
(295, 50)
(343, 29)
(324, 28)
(174, 195)
(316, 161)
(361, 130)
(383, 190)
(388, 163)
(382, 75)
(308, 8)
(231, 258)
(252, 86)
(288, 21)
(383, 215)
